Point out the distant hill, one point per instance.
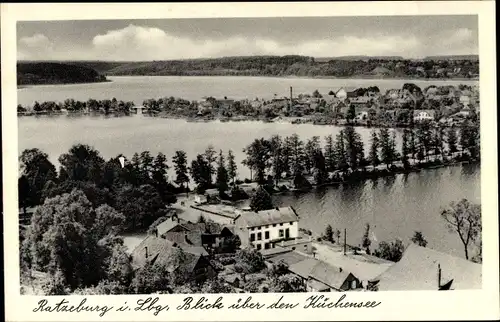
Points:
(453, 57)
(38, 73)
(360, 57)
(292, 65)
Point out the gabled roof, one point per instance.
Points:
(320, 271)
(267, 217)
(418, 270)
(162, 251)
(190, 238)
(168, 225)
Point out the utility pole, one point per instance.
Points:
(291, 96)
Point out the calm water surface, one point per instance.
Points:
(395, 207)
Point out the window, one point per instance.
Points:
(251, 229)
(281, 224)
(353, 284)
(259, 228)
(274, 225)
(266, 235)
(252, 237)
(259, 246)
(282, 233)
(267, 246)
(267, 226)
(259, 236)
(291, 223)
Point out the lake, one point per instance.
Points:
(394, 207)
(139, 88)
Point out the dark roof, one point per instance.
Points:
(312, 268)
(168, 225)
(191, 238)
(161, 251)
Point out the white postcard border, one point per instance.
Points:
(421, 305)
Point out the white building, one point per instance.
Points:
(264, 228)
(423, 115)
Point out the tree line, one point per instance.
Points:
(106, 106)
(277, 157)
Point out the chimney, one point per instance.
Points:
(439, 276)
(291, 96)
(156, 232)
(146, 249)
(340, 269)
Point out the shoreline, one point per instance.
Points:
(279, 119)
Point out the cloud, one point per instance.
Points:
(149, 43)
(37, 46)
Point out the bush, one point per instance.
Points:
(238, 181)
(247, 180)
(227, 260)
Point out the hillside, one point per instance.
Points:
(301, 66)
(38, 73)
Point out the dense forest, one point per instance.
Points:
(37, 73)
(377, 67)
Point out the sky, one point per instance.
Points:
(146, 40)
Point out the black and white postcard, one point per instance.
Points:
(281, 161)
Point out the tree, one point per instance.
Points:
(222, 177)
(366, 242)
(200, 172)
(261, 200)
(340, 152)
(329, 233)
(424, 139)
(392, 251)
(320, 173)
(297, 154)
(405, 148)
(151, 278)
(316, 94)
(181, 169)
(258, 158)
(232, 169)
(451, 140)
(418, 238)
(387, 146)
(250, 260)
(65, 239)
(36, 171)
(330, 160)
(210, 157)
(337, 235)
(82, 163)
(160, 179)
(311, 150)
(287, 283)
(464, 218)
(469, 140)
(351, 113)
(278, 163)
(374, 160)
(141, 206)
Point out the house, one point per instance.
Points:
(423, 268)
(424, 115)
(225, 103)
(200, 199)
(360, 101)
(465, 100)
(139, 109)
(319, 276)
(159, 251)
(205, 106)
(263, 228)
(170, 225)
